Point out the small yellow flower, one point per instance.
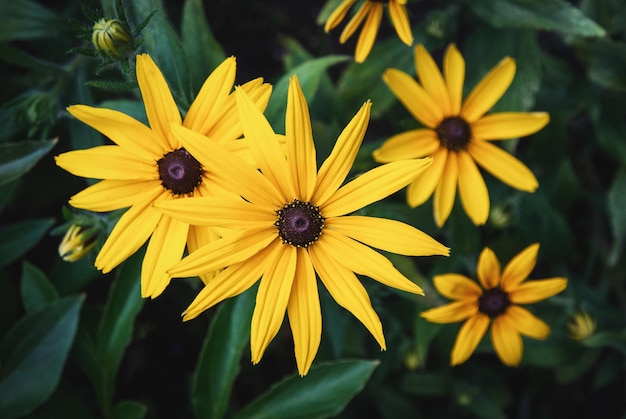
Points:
(372, 12)
(495, 302)
(77, 243)
(458, 134)
(581, 326)
(112, 37)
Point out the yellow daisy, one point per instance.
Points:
(293, 224)
(148, 164)
(370, 11)
(495, 302)
(458, 134)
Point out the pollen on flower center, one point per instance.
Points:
(180, 172)
(493, 302)
(454, 133)
(299, 223)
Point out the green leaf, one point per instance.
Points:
(27, 19)
(616, 202)
(33, 355)
(616, 340)
(129, 410)
(18, 158)
(220, 357)
(203, 51)
(19, 238)
(15, 56)
(37, 291)
(324, 392)
(426, 384)
(556, 15)
(607, 64)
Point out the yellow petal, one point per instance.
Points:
(452, 312)
(454, 73)
(110, 195)
(472, 189)
(423, 186)
(520, 267)
(506, 341)
(197, 237)
(488, 269)
(446, 190)
(300, 146)
(347, 291)
(503, 166)
(500, 126)
(107, 162)
(414, 98)
(527, 324)
(489, 90)
(368, 34)
(407, 145)
(165, 248)
(338, 15)
(430, 77)
(400, 20)
(457, 287)
(354, 22)
(305, 315)
(533, 291)
(161, 108)
(123, 130)
(374, 185)
(364, 261)
(388, 235)
(336, 167)
(470, 335)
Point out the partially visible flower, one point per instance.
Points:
(294, 221)
(372, 12)
(495, 302)
(149, 164)
(458, 134)
(581, 326)
(77, 242)
(112, 37)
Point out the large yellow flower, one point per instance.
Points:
(495, 302)
(293, 223)
(458, 134)
(148, 164)
(372, 12)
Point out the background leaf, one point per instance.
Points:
(27, 19)
(18, 158)
(19, 238)
(37, 291)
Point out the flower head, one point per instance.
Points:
(112, 37)
(370, 11)
(148, 164)
(581, 326)
(458, 134)
(293, 224)
(495, 301)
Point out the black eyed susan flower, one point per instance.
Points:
(458, 134)
(293, 224)
(370, 11)
(581, 326)
(148, 164)
(495, 302)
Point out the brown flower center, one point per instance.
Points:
(493, 302)
(180, 172)
(454, 133)
(299, 223)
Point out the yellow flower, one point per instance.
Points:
(148, 164)
(581, 326)
(495, 302)
(372, 12)
(293, 224)
(458, 134)
(77, 242)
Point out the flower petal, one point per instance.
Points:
(454, 73)
(110, 195)
(400, 20)
(472, 189)
(414, 98)
(500, 126)
(430, 77)
(304, 312)
(272, 299)
(451, 312)
(354, 22)
(457, 287)
(470, 335)
(336, 167)
(338, 15)
(107, 162)
(507, 341)
(197, 237)
(123, 130)
(423, 186)
(520, 267)
(488, 269)
(446, 190)
(489, 90)
(533, 291)
(407, 145)
(388, 235)
(503, 166)
(368, 34)
(347, 291)
(527, 324)
(373, 185)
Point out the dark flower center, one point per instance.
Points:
(454, 133)
(493, 302)
(180, 172)
(299, 223)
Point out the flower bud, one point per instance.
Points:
(111, 37)
(78, 241)
(581, 326)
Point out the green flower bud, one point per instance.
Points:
(111, 37)
(78, 241)
(581, 326)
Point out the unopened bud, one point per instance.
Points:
(581, 326)
(78, 241)
(112, 37)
